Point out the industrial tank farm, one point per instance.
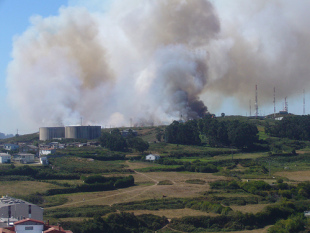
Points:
(84, 132)
(78, 132)
(48, 133)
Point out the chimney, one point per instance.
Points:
(29, 211)
(9, 214)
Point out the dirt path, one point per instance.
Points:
(138, 190)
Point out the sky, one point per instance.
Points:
(14, 20)
(111, 61)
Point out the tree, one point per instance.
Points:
(159, 136)
(113, 141)
(183, 133)
(242, 134)
(96, 225)
(138, 144)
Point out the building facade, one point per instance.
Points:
(5, 158)
(19, 209)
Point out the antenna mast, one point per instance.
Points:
(250, 108)
(274, 101)
(304, 103)
(285, 105)
(256, 104)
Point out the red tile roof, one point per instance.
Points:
(54, 229)
(28, 220)
(49, 229)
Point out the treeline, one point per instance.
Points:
(261, 188)
(292, 127)
(236, 221)
(219, 133)
(94, 184)
(183, 133)
(122, 222)
(38, 173)
(235, 133)
(116, 142)
(195, 166)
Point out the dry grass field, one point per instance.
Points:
(21, 188)
(263, 230)
(249, 208)
(295, 176)
(175, 213)
(141, 192)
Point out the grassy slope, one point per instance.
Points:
(146, 187)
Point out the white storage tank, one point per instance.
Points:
(48, 133)
(83, 132)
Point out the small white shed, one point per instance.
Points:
(152, 157)
(44, 160)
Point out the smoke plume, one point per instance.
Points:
(155, 60)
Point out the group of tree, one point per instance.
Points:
(219, 133)
(261, 188)
(292, 127)
(121, 222)
(240, 134)
(116, 142)
(183, 133)
(94, 184)
(237, 221)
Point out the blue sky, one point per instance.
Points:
(14, 20)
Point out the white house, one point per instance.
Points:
(26, 157)
(152, 157)
(5, 158)
(30, 225)
(47, 151)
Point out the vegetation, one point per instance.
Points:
(116, 142)
(292, 127)
(122, 222)
(209, 167)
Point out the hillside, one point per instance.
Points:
(193, 186)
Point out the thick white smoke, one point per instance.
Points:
(261, 42)
(153, 60)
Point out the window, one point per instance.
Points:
(29, 228)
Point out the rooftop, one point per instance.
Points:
(6, 201)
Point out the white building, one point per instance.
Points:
(30, 225)
(47, 151)
(19, 209)
(152, 157)
(26, 157)
(44, 160)
(5, 158)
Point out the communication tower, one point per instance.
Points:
(274, 102)
(250, 108)
(304, 103)
(256, 102)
